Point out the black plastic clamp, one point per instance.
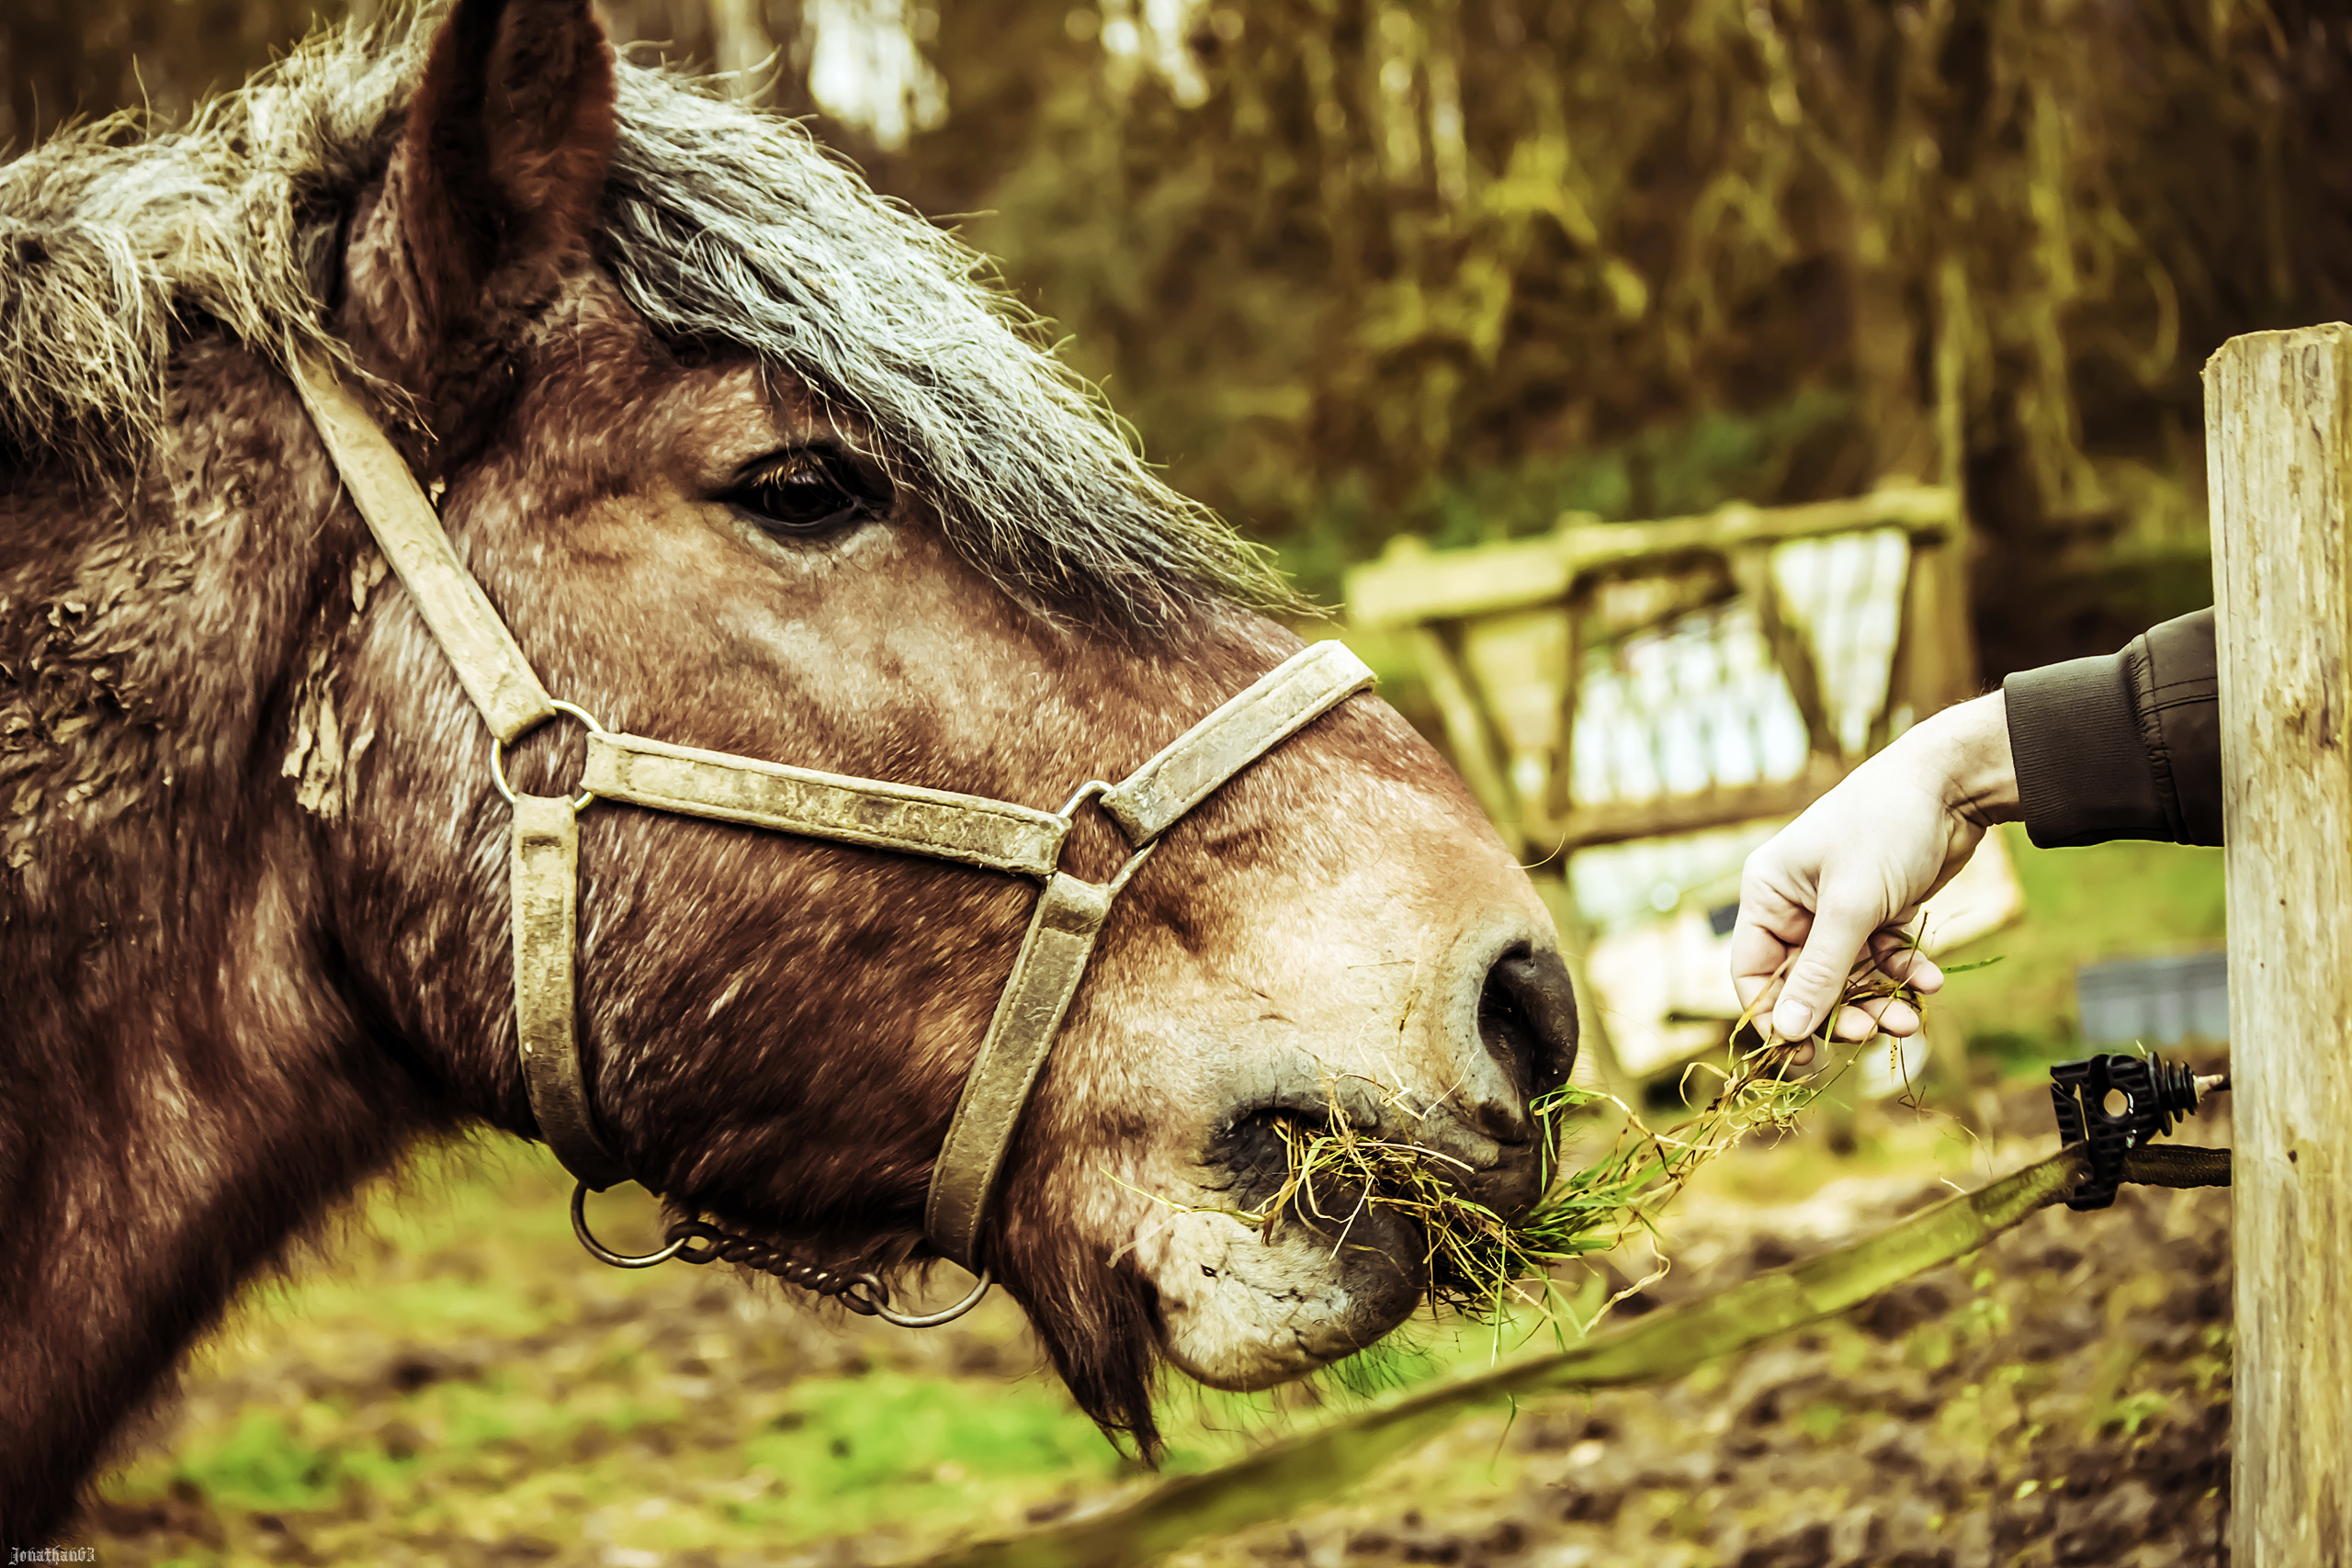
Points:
(2114, 1104)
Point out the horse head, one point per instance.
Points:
(747, 464)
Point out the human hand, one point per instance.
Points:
(1827, 899)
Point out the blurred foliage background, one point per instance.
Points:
(1354, 267)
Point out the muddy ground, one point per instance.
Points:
(468, 1392)
(2062, 1398)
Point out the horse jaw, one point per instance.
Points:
(1343, 977)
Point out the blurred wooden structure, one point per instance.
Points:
(1511, 638)
(2279, 453)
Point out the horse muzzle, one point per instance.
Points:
(1500, 1051)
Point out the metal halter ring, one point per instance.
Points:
(890, 1315)
(498, 754)
(1095, 789)
(603, 1254)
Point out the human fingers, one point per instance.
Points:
(1895, 954)
(1880, 1014)
(1860, 1021)
(1851, 1026)
(1757, 981)
(1875, 1002)
(1818, 978)
(1799, 1055)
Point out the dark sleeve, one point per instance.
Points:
(2124, 747)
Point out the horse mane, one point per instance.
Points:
(723, 227)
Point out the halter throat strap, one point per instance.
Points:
(971, 830)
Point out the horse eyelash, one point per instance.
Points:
(784, 467)
(836, 468)
(858, 503)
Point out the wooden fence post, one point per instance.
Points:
(2278, 453)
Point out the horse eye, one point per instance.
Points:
(804, 492)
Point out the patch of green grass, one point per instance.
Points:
(853, 1452)
(275, 1459)
(1822, 1421)
(261, 1463)
(2135, 1411)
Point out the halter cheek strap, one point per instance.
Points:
(972, 829)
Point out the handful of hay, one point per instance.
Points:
(1483, 1265)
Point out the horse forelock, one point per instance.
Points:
(722, 226)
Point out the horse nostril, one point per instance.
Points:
(1527, 1017)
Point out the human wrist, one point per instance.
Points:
(1966, 748)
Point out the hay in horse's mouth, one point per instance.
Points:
(1475, 1260)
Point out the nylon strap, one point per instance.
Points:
(1276, 707)
(1045, 976)
(489, 662)
(965, 828)
(543, 876)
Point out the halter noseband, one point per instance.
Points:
(998, 835)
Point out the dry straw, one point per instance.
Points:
(1485, 1267)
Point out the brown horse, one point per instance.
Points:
(746, 462)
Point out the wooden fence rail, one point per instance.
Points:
(1502, 632)
(2278, 436)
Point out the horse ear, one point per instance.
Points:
(489, 199)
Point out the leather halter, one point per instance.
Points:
(998, 835)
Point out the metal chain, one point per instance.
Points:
(698, 1241)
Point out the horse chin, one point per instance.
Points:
(1242, 1311)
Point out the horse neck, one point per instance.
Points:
(182, 1087)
